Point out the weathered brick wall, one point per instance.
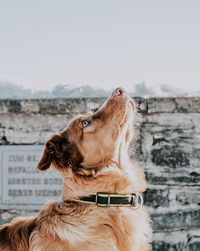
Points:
(167, 146)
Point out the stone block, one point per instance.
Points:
(189, 196)
(166, 246)
(176, 220)
(156, 197)
(171, 156)
(173, 105)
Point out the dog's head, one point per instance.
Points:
(93, 140)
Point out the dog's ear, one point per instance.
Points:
(52, 149)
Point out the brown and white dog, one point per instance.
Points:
(92, 156)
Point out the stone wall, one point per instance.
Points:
(166, 145)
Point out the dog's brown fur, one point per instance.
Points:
(91, 158)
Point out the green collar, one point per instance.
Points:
(134, 200)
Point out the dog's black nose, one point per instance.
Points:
(119, 91)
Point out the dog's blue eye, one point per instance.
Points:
(85, 123)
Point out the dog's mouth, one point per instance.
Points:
(117, 107)
(123, 107)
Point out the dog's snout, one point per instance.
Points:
(119, 91)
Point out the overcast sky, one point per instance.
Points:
(100, 42)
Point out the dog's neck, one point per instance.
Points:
(109, 179)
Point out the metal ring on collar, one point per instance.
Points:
(138, 199)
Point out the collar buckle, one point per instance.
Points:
(102, 195)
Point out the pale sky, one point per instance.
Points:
(103, 43)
